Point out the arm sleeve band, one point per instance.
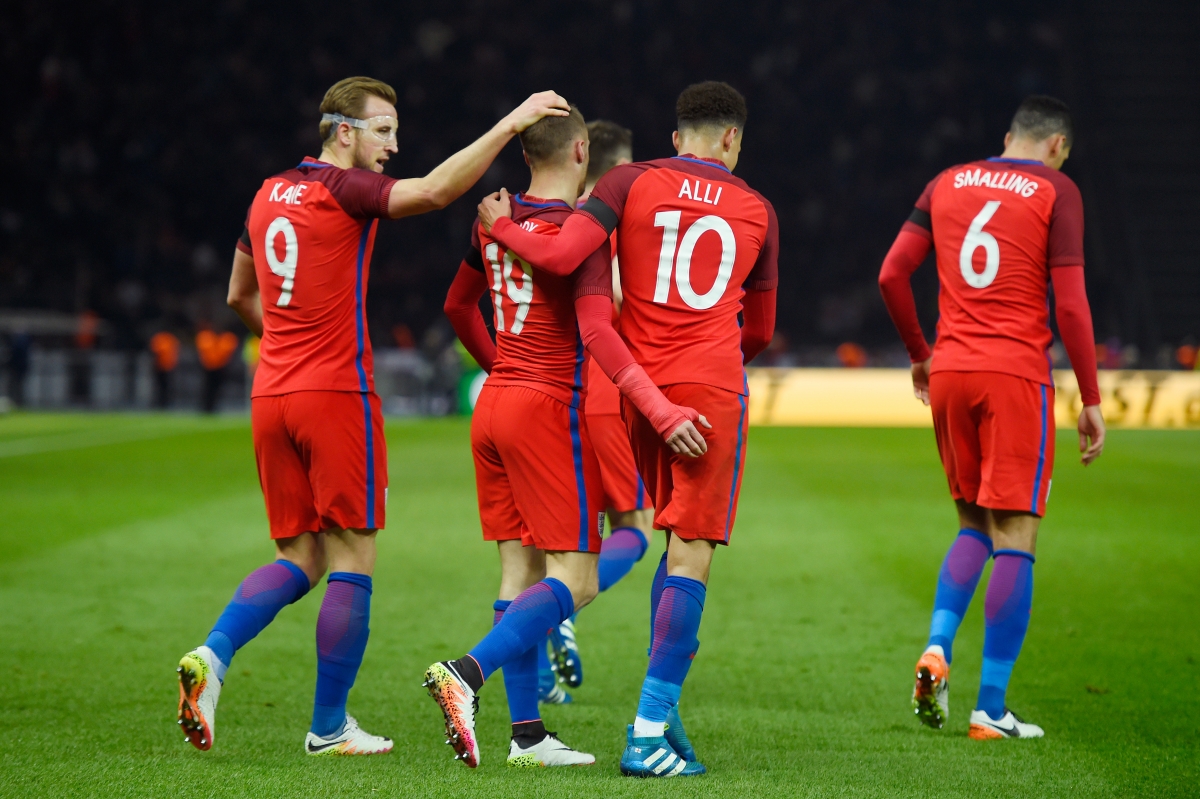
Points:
(1075, 326)
(559, 254)
(906, 254)
(758, 314)
(594, 312)
(462, 308)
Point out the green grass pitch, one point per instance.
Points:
(122, 537)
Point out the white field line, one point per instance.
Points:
(37, 445)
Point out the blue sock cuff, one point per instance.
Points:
(641, 537)
(1015, 553)
(566, 602)
(363, 581)
(693, 588)
(302, 584)
(501, 605)
(978, 535)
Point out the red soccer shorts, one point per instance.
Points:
(623, 486)
(535, 471)
(322, 461)
(995, 433)
(694, 497)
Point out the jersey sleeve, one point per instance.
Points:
(764, 276)
(920, 221)
(363, 194)
(1064, 247)
(607, 200)
(594, 275)
(474, 256)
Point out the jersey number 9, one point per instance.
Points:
(286, 268)
(977, 237)
(681, 261)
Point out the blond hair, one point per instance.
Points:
(348, 97)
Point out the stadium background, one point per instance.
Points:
(136, 134)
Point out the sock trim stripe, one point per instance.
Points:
(1017, 553)
(978, 535)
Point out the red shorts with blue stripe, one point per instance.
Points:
(535, 471)
(623, 486)
(995, 433)
(322, 461)
(694, 497)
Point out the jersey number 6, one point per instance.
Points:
(501, 278)
(682, 261)
(286, 268)
(976, 237)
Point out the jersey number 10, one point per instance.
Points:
(977, 237)
(681, 261)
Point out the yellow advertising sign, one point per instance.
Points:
(884, 398)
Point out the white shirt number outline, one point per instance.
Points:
(977, 237)
(286, 268)
(502, 278)
(681, 261)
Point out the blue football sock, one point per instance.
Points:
(623, 548)
(342, 630)
(261, 596)
(956, 585)
(528, 619)
(1006, 612)
(520, 676)
(675, 645)
(656, 589)
(546, 678)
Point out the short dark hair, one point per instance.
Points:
(608, 143)
(1040, 116)
(348, 97)
(711, 103)
(547, 138)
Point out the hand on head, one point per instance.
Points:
(542, 104)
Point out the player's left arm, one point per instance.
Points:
(450, 179)
(558, 253)
(1064, 251)
(244, 297)
(758, 306)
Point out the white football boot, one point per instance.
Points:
(459, 705)
(1010, 725)
(352, 740)
(931, 691)
(547, 752)
(199, 690)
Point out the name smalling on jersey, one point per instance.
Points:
(1012, 181)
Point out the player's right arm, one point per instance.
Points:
(559, 253)
(450, 179)
(907, 253)
(462, 308)
(593, 312)
(243, 296)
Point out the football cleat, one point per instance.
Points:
(459, 705)
(352, 740)
(199, 690)
(1010, 725)
(677, 738)
(564, 654)
(654, 757)
(931, 694)
(550, 692)
(549, 751)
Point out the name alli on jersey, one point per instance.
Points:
(693, 192)
(1013, 181)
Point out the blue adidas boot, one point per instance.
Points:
(654, 757)
(677, 738)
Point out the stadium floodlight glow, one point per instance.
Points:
(382, 128)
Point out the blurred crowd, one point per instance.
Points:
(138, 132)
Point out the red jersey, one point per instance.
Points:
(998, 227)
(603, 396)
(310, 231)
(537, 336)
(692, 238)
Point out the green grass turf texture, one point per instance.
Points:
(122, 538)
